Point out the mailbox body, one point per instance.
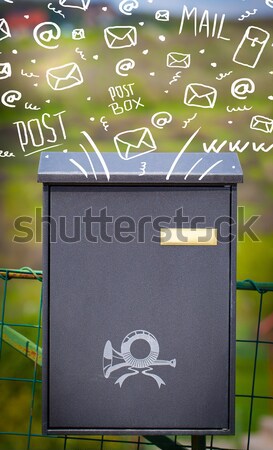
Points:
(139, 337)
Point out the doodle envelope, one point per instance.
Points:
(200, 95)
(5, 70)
(139, 140)
(261, 123)
(64, 77)
(120, 37)
(181, 60)
(163, 15)
(80, 4)
(4, 29)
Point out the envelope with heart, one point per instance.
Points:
(181, 60)
(80, 4)
(261, 123)
(4, 29)
(200, 96)
(162, 15)
(5, 70)
(64, 77)
(133, 143)
(120, 37)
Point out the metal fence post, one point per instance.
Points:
(198, 442)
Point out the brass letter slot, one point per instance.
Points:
(188, 236)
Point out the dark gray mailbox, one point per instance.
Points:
(139, 293)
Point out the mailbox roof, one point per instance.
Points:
(149, 168)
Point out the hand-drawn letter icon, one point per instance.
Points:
(251, 47)
(261, 123)
(200, 96)
(78, 34)
(139, 140)
(131, 364)
(181, 60)
(64, 77)
(80, 4)
(120, 37)
(5, 70)
(162, 15)
(4, 29)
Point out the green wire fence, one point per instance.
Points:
(27, 342)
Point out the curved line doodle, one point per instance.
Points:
(127, 6)
(29, 75)
(83, 171)
(186, 122)
(80, 52)
(104, 123)
(248, 14)
(176, 77)
(90, 161)
(269, 3)
(210, 169)
(59, 11)
(143, 169)
(32, 107)
(245, 108)
(221, 76)
(98, 153)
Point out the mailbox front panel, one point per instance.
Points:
(139, 334)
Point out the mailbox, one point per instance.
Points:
(139, 292)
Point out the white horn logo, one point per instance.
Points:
(127, 360)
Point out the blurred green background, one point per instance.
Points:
(84, 107)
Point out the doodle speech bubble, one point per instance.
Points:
(52, 32)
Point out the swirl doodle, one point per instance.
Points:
(248, 14)
(159, 120)
(80, 53)
(245, 108)
(124, 65)
(143, 168)
(9, 97)
(269, 3)
(176, 77)
(57, 11)
(221, 76)
(127, 6)
(104, 123)
(186, 122)
(32, 107)
(29, 75)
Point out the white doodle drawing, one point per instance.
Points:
(186, 122)
(192, 168)
(4, 30)
(211, 26)
(143, 169)
(124, 65)
(29, 74)
(10, 97)
(161, 119)
(162, 38)
(251, 47)
(269, 3)
(123, 92)
(30, 106)
(79, 4)
(183, 149)
(5, 70)
(79, 166)
(81, 53)
(51, 33)
(120, 37)
(200, 96)
(239, 109)
(104, 123)
(134, 365)
(39, 132)
(221, 76)
(163, 15)
(78, 34)
(248, 14)
(8, 1)
(178, 60)
(98, 153)
(56, 11)
(262, 123)
(134, 143)
(176, 77)
(64, 77)
(241, 87)
(210, 169)
(6, 154)
(89, 160)
(127, 6)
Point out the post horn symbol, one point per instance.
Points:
(125, 358)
